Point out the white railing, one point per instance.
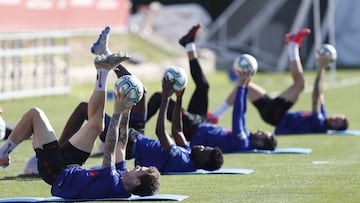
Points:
(34, 64)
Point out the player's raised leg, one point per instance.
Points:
(34, 122)
(84, 139)
(294, 41)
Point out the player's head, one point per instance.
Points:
(208, 158)
(143, 181)
(263, 140)
(336, 122)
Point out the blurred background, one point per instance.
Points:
(44, 43)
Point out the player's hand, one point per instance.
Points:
(323, 62)
(244, 77)
(179, 93)
(121, 102)
(167, 86)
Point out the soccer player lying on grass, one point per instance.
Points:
(276, 111)
(197, 129)
(80, 113)
(60, 166)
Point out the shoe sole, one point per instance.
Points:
(110, 62)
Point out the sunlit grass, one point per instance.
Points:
(329, 174)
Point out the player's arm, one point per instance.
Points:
(318, 89)
(239, 111)
(161, 133)
(177, 125)
(115, 144)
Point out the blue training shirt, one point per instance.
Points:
(149, 152)
(228, 141)
(302, 123)
(79, 183)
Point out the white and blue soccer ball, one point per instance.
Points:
(177, 75)
(31, 166)
(328, 51)
(245, 62)
(132, 85)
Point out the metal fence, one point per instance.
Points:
(34, 64)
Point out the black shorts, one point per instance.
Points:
(52, 159)
(272, 110)
(133, 134)
(138, 125)
(190, 123)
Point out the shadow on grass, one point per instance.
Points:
(22, 177)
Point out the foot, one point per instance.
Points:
(111, 61)
(101, 45)
(298, 37)
(190, 36)
(5, 162)
(211, 118)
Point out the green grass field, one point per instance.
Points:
(329, 174)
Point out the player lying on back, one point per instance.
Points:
(276, 111)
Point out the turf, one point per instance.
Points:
(329, 174)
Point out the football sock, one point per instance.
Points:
(293, 50)
(101, 79)
(7, 148)
(220, 110)
(190, 47)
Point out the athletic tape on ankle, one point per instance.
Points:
(293, 50)
(190, 47)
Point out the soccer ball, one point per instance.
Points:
(130, 84)
(177, 74)
(31, 166)
(245, 62)
(328, 51)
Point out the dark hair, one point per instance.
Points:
(344, 126)
(270, 142)
(150, 183)
(216, 160)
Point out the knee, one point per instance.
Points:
(34, 112)
(203, 87)
(82, 106)
(156, 96)
(206, 86)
